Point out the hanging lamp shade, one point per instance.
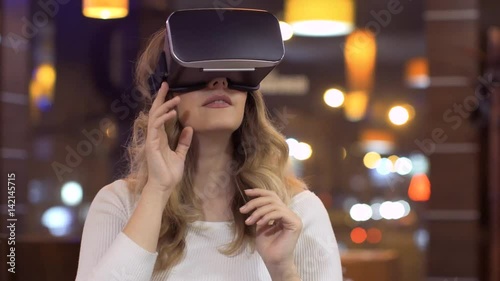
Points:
(355, 105)
(360, 54)
(377, 140)
(417, 73)
(320, 18)
(105, 9)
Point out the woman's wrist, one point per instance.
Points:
(151, 191)
(285, 271)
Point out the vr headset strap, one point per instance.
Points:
(159, 75)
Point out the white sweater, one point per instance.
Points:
(107, 254)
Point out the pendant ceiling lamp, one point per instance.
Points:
(417, 73)
(320, 18)
(355, 105)
(360, 54)
(105, 9)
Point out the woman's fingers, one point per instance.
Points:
(267, 202)
(260, 212)
(154, 131)
(164, 108)
(184, 142)
(158, 123)
(256, 203)
(160, 96)
(271, 216)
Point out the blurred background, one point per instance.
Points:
(390, 108)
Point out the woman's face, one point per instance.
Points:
(214, 108)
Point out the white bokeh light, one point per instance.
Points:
(286, 31)
(421, 238)
(406, 207)
(384, 166)
(71, 193)
(392, 210)
(321, 28)
(58, 220)
(399, 115)
(403, 166)
(376, 211)
(360, 212)
(292, 146)
(420, 164)
(334, 97)
(303, 151)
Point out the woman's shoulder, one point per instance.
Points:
(116, 188)
(308, 206)
(117, 194)
(302, 197)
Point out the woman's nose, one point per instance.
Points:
(218, 83)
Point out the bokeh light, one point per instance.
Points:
(344, 153)
(358, 235)
(71, 193)
(286, 31)
(420, 188)
(334, 98)
(406, 207)
(376, 211)
(303, 151)
(420, 164)
(46, 75)
(104, 9)
(421, 238)
(393, 158)
(384, 166)
(371, 160)
(360, 212)
(392, 210)
(403, 166)
(292, 146)
(374, 235)
(399, 115)
(57, 219)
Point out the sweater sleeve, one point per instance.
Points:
(106, 253)
(316, 253)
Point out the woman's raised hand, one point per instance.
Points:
(165, 167)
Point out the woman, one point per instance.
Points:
(208, 196)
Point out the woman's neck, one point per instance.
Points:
(213, 178)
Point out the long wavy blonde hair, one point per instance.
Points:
(260, 156)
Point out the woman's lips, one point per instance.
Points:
(217, 104)
(217, 101)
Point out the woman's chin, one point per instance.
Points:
(215, 129)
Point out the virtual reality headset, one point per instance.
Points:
(241, 45)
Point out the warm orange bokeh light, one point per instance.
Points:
(358, 235)
(360, 53)
(105, 9)
(374, 235)
(417, 72)
(377, 135)
(420, 188)
(355, 105)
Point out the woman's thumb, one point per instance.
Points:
(184, 142)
